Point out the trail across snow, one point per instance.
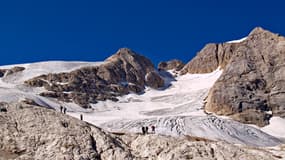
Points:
(176, 110)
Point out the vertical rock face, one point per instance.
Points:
(123, 72)
(253, 80)
(210, 58)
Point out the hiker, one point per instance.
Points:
(4, 109)
(64, 110)
(153, 129)
(61, 109)
(81, 117)
(143, 130)
(146, 129)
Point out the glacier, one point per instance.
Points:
(175, 110)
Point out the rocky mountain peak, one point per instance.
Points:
(125, 51)
(259, 34)
(122, 73)
(259, 30)
(122, 53)
(127, 58)
(215, 55)
(251, 85)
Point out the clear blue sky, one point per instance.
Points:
(91, 30)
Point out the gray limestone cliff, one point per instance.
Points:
(251, 87)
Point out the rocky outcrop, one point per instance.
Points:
(154, 80)
(13, 70)
(31, 132)
(175, 64)
(253, 79)
(2, 72)
(121, 73)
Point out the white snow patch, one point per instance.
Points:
(237, 41)
(39, 68)
(276, 127)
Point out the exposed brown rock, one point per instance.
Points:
(153, 80)
(30, 102)
(14, 70)
(175, 64)
(2, 72)
(10, 71)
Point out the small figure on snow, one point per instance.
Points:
(61, 109)
(64, 110)
(143, 130)
(153, 129)
(146, 129)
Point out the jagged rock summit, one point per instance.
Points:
(120, 74)
(251, 88)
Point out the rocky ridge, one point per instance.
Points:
(251, 88)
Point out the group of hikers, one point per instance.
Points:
(145, 129)
(63, 110)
